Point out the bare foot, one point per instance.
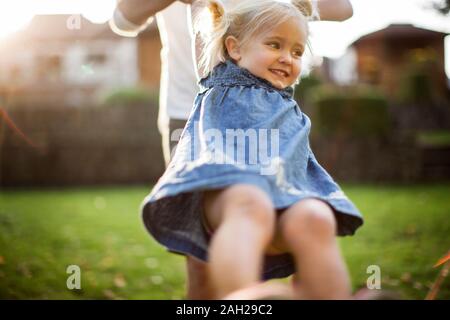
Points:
(263, 291)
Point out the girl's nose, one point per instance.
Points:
(285, 57)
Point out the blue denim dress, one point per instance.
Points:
(240, 130)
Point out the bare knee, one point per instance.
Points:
(309, 218)
(249, 202)
(246, 202)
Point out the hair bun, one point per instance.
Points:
(217, 11)
(305, 7)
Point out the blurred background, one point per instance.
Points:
(80, 148)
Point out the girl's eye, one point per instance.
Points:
(274, 45)
(298, 53)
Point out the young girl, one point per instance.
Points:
(244, 190)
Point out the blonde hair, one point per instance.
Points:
(242, 19)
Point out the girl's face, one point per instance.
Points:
(275, 56)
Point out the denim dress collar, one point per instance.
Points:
(229, 74)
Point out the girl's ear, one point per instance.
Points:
(232, 46)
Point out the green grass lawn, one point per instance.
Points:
(407, 229)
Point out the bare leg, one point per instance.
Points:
(263, 291)
(198, 284)
(309, 229)
(243, 218)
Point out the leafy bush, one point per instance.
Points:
(129, 96)
(351, 111)
(434, 138)
(305, 89)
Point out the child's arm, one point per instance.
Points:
(334, 10)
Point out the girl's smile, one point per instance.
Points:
(281, 73)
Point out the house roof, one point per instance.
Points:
(398, 32)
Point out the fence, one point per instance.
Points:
(122, 145)
(81, 146)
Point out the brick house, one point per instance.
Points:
(382, 56)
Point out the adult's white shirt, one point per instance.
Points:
(178, 85)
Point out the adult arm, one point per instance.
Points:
(132, 16)
(138, 11)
